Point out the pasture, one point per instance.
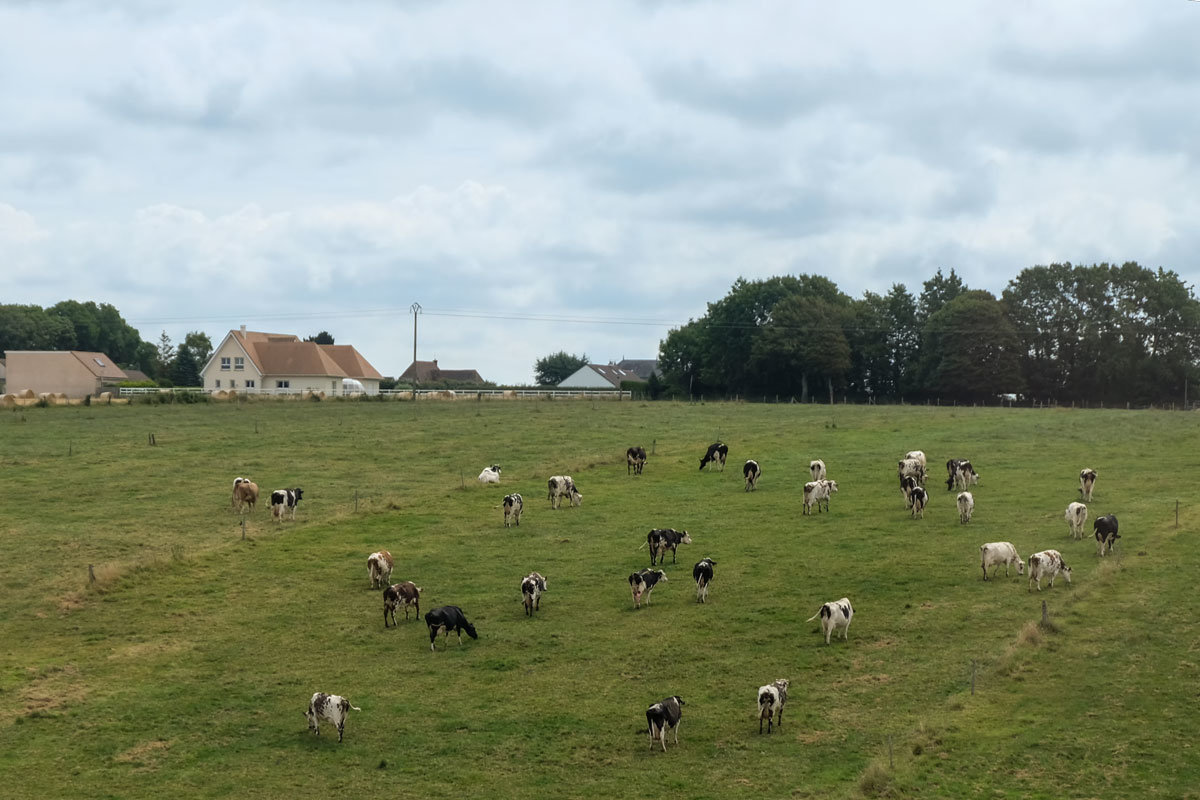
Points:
(187, 666)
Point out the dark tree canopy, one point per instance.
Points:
(557, 367)
(1059, 333)
(324, 337)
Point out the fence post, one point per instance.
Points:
(653, 446)
(91, 574)
(70, 448)
(243, 527)
(891, 762)
(1176, 514)
(1045, 616)
(356, 501)
(972, 677)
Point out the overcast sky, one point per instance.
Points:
(544, 175)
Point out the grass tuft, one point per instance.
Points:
(876, 781)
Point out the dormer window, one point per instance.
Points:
(99, 363)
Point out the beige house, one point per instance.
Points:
(73, 372)
(280, 363)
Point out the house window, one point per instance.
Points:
(239, 363)
(225, 362)
(232, 383)
(283, 384)
(333, 387)
(249, 384)
(99, 363)
(217, 383)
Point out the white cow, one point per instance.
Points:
(561, 486)
(490, 474)
(993, 554)
(966, 505)
(918, 455)
(911, 468)
(816, 493)
(1077, 514)
(331, 707)
(1047, 564)
(817, 468)
(834, 616)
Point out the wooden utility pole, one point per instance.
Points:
(415, 308)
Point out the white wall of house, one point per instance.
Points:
(231, 368)
(585, 378)
(282, 384)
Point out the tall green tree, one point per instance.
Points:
(557, 367)
(200, 345)
(324, 337)
(937, 292)
(971, 350)
(184, 369)
(30, 327)
(681, 358)
(803, 342)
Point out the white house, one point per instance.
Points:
(598, 376)
(253, 362)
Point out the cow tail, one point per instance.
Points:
(356, 708)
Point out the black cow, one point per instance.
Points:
(1106, 532)
(750, 472)
(641, 583)
(284, 501)
(702, 573)
(662, 539)
(445, 618)
(663, 716)
(716, 454)
(635, 459)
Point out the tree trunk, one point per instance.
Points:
(829, 383)
(803, 387)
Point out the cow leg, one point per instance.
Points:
(781, 717)
(341, 727)
(676, 733)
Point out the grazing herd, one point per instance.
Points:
(663, 717)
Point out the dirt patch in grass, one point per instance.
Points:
(145, 756)
(50, 690)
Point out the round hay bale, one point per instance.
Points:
(220, 394)
(509, 394)
(404, 396)
(26, 394)
(8, 401)
(59, 398)
(106, 398)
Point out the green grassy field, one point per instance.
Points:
(186, 668)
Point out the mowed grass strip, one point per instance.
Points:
(189, 670)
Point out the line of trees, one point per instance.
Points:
(71, 325)
(1058, 333)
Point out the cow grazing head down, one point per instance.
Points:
(717, 452)
(445, 619)
(329, 707)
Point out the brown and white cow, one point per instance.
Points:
(1047, 564)
(561, 486)
(1087, 481)
(635, 460)
(379, 568)
(532, 586)
(245, 494)
(406, 594)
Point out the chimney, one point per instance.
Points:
(243, 331)
(435, 363)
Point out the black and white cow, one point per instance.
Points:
(907, 484)
(1047, 564)
(817, 469)
(490, 474)
(751, 471)
(642, 583)
(1087, 481)
(445, 619)
(561, 486)
(960, 474)
(716, 454)
(660, 540)
(911, 467)
(332, 707)
(532, 586)
(771, 699)
(702, 573)
(512, 509)
(833, 616)
(1105, 529)
(917, 499)
(284, 501)
(966, 507)
(662, 717)
(635, 459)
(401, 594)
